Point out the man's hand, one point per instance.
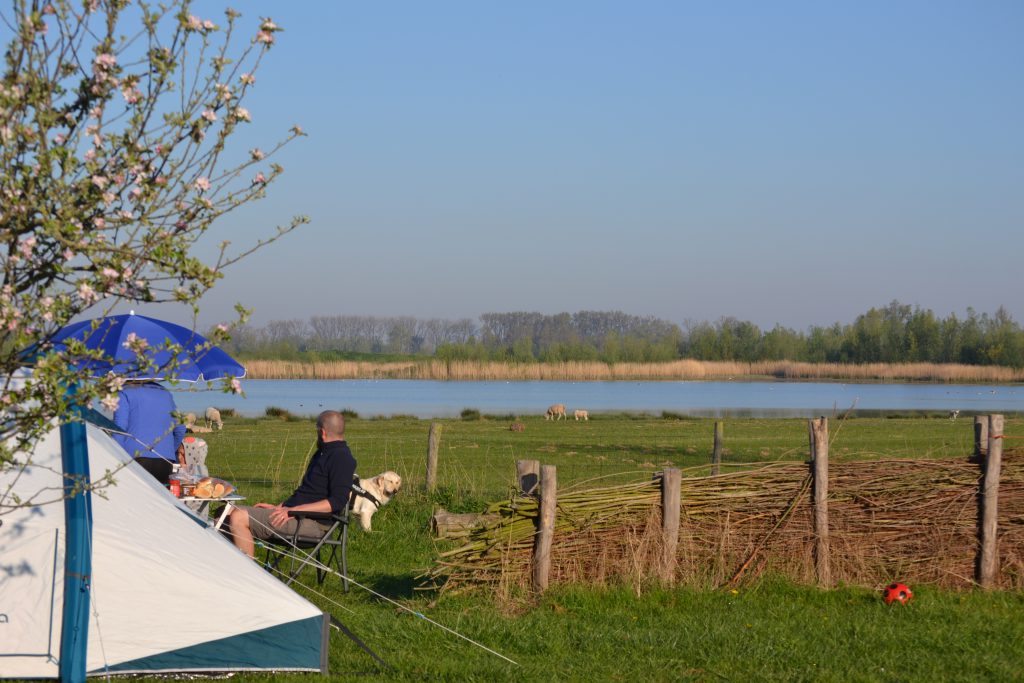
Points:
(278, 516)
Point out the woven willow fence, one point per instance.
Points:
(918, 521)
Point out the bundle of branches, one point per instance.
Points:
(916, 520)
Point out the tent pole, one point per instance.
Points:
(77, 552)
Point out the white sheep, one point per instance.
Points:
(213, 418)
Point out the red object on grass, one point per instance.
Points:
(897, 592)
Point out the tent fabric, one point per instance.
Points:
(167, 593)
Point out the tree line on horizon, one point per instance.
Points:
(896, 333)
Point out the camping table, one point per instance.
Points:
(204, 504)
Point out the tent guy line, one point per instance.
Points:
(315, 563)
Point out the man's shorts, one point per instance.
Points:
(259, 524)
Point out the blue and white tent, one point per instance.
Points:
(166, 593)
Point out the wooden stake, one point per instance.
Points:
(716, 455)
(988, 557)
(434, 443)
(819, 471)
(528, 475)
(980, 436)
(671, 493)
(545, 528)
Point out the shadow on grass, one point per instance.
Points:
(395, 586)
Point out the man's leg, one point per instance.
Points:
(241, 535)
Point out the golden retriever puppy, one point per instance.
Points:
(381, 490)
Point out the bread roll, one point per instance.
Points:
(218, 490)
(204, 489)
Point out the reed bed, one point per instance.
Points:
(912, 520)
(596, 371)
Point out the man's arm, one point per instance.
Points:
(279, 513)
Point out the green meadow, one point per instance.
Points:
(771, 630)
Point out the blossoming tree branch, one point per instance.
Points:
(115, 120)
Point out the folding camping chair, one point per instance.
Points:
(334, 542)
(324, 551)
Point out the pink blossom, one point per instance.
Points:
(221, 327)
(236, 386)
(134, 342)
(131, 95)
(109, 272)
(195, 23)
(100, 181)
(265, 37)
(257, 154)
(202, 184)
(136, 192)
(105, 60)
(108, 198)
(209, 25)
(68, 254)
(90, 155)
(209, 115)
(59, 139)
(160, 180)
(96, 111)
(243, 113)
(27, 246)
(268, 25)
(99, 222)
(125, 214)
(86, 293)
(259, 179)
(111, 402)
(248, 79)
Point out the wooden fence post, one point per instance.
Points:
(434, 442)
(819, 483)
(545, 528)
(671, 480)
(527, 475)
(988, 557)
(980, 436)
(716, 454)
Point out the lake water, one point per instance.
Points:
(427, 399)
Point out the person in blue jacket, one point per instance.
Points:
(146, 411)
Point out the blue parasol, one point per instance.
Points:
(198, 359)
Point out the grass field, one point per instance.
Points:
(774, 630)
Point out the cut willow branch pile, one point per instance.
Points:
(913, 520)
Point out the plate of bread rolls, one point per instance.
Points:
(211, 487)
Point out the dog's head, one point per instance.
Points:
(389, 483)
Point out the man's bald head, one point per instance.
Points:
(333, 425)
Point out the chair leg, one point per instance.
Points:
(344, 558)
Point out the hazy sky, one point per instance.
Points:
(783, 162)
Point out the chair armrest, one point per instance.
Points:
(318, 516)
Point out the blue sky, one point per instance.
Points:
(785, 162)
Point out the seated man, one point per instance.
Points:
(325, 488)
